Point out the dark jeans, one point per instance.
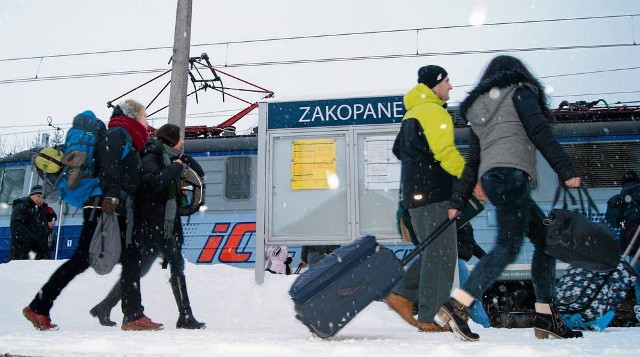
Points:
(131, 258)
(171, 251)
(509, 190)
(79, 262)
(429, 278)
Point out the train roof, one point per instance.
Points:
(192, 145)
(569, 119)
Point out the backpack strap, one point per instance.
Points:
(128, 144)
(51, 158)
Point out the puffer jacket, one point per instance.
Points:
(118, 176)
(425, 146)
(277, 259)
(151, 200)
(508, 125)
(29, 221)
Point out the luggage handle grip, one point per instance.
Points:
(352, 291)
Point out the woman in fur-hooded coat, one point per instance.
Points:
(508, 114)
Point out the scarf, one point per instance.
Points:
(138, 133)
(171, 207)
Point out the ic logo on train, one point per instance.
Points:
(230, 242)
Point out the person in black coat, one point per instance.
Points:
(157, 220)
(29, 227)
(623, 210)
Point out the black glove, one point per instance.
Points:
(109, 205)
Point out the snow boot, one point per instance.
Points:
(402, 306)
(186, 319)
(432, 327)
(456, 315)
(39, 321)
(142, 324)
(103, 310)
(552, 323)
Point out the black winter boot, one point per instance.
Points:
(456, 315)
(186, 319)
(103, 310)
(545, 324)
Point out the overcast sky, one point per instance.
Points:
(60, 58)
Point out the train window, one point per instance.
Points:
(237, 181)
(12, 184)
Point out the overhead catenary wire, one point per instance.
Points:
(633, 43)
(321, 60)
(341, 34)
(417, 53)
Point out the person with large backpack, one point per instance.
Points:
(158, 221)
(119, 176)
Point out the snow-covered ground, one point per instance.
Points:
(247, 319)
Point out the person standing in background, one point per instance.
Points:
(52, 217)
(312, 254)
(30, 230)
(623, 211)
(277, 259)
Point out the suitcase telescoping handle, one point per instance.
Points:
(436, 232)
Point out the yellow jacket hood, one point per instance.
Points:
(421, 94)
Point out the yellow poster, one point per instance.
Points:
(313, 163)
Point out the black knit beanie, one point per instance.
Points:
(431, 75)
(35, 190)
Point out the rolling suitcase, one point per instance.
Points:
(588, 299)
(334, 290)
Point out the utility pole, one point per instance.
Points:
(180, 66)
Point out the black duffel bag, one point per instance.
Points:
(573, 238)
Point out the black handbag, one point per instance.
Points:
(573, 238)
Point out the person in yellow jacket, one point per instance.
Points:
(430, 163)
